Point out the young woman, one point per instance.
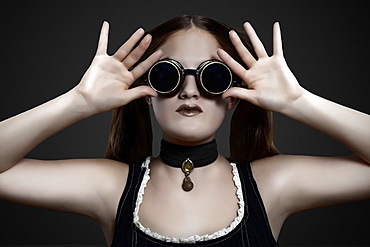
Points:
(191, 70)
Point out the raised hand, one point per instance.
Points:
(105, 85)
(271, 85)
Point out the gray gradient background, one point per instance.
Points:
(47, 46)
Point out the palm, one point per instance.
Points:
(105, 85)
(270, 83)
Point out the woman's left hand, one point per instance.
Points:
(270, 83)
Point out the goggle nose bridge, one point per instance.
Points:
(193, 72)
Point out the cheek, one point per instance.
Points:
(216, 114)
(162, 110)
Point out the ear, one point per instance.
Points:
(148, 100)
(232, 103)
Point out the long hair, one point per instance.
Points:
(131, 137)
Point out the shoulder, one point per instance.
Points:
(116, 170)
(304, 182)
(105, 178)
(110, 175)
(273, 176)
(278, 167)
(270, 168)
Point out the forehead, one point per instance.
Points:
(191, 47)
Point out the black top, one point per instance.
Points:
(254, 229)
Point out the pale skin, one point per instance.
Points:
(288, 184)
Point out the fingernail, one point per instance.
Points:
(105, 24)
(140, 31)
(148, 37)
(247, 24)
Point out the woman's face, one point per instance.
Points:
(189, 117)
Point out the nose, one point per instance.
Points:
(189, 88)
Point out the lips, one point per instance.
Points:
(189, 110)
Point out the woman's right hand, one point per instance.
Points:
(105, 85)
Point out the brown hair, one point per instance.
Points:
(131, 136)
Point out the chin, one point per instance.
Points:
(186, 131)
(187, 136)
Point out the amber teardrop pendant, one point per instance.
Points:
(187, 166)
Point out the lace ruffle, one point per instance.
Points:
(193, 238)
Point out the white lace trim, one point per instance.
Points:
(193, 238)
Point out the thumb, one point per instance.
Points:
(138, 92)
(241, 93)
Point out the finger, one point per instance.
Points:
(144, 66)
(103, 39)
(136, 93)
(240, 93)
(278, 44)
(135, 55)
(256, 42)
(243, 52)
(236, 67)
(125, 49)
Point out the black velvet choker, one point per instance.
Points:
(188, 157)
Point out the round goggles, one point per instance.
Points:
(213, 77)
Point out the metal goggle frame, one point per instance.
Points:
(213, 77)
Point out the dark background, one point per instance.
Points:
(47, 45)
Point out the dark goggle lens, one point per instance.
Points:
(164, 77)
(216, 78)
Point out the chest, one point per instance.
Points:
(168, 210)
